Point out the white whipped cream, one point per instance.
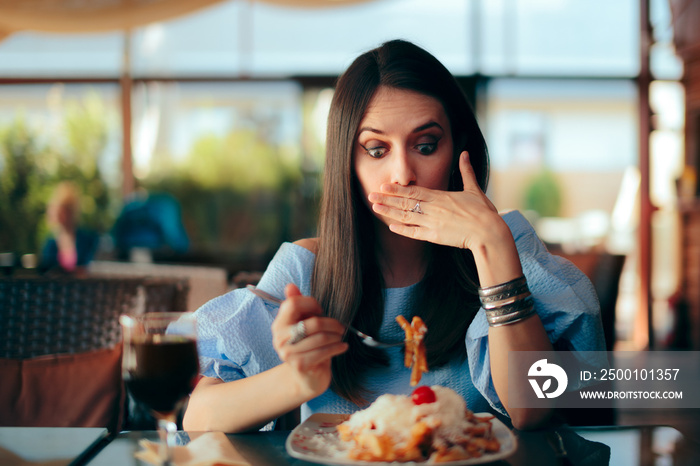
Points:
(394, 415)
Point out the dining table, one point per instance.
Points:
(561, 445)
(54, 446)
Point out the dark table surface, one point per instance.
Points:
(57, 445)
(618, 446)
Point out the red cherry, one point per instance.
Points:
(423, 394)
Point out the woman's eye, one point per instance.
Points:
(427, 148)
(375, 152)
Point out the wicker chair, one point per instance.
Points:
(43, 316)
(60, 346)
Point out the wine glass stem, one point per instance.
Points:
(167, 430)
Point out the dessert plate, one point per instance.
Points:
(316, 440)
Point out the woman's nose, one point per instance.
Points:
(403, 172)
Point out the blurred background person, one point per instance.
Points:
(148, 223)
(70, 248)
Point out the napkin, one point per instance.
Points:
(207, 449)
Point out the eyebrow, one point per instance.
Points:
(430, 124)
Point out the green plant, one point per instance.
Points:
(239, 194)
(543, 194)
(23, 190)
(85, 128)
(31, 166)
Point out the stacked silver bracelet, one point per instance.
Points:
(507, 303)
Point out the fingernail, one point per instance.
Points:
(373, 197)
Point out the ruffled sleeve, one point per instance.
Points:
(234, 336)
(564, 300)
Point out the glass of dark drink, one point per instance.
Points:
(160, 366)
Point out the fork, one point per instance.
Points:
(366, 339)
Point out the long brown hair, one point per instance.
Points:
(347, 280)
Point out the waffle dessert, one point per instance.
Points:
(433, 424)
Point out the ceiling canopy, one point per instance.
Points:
(76, 16)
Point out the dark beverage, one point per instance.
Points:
(163, 371)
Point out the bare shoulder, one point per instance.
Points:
(308, 243)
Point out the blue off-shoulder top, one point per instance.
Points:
(235, 339)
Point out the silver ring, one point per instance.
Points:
(297, 332)
(416, 208)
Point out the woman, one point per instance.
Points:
(405, 228)
(71, 248)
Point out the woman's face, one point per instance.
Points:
(404, 138)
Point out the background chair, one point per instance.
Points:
(60, 346)
(203, 282)
(604, 270)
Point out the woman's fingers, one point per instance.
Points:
(416, 193)
(323, 342)
(454, 218)
(411, 231)
(314, 341)
(401, 203)
(312, 326)
(313, 368)
(467, 171)
(296, 307)
(404, 216)
(290, 337)
(319, 340)
(397, 202)
(323, 324)
(291, 290)
(313, 350)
